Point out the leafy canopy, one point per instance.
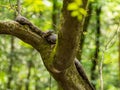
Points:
(76, 9)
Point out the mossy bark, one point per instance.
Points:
(58, 60)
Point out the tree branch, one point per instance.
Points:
(24, 33)
(49, 35)
(68, 38)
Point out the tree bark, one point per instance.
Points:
(59, 60)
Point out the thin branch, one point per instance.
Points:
(103, 52)
(111, 38)
(19, 7)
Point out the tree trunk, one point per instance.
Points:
(68, 39)
(59, 58)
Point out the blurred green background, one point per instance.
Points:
(20, 65)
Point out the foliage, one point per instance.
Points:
(40, 13)
(77, 10)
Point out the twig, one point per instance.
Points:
(18, 7)
(101, 61)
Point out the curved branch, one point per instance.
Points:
(49, 35)
(25, 34)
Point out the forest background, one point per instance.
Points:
(20, 65)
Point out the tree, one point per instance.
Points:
(60, 58)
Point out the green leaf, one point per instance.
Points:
(79, 17)
(78, 2)
(73, 6)
(74, 13)
(83, 11)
